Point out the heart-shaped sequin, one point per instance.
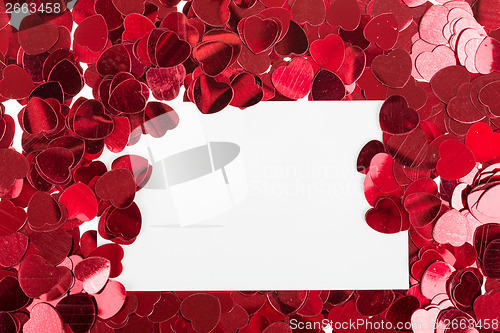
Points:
(202, 310)
(294, 81)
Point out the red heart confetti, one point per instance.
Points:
(16, 83)
(382, 30)
(396, 117)
(94, 273)
(122, 40)
(110, 300)
(382, 67)
(260, 34)
(297, 88)
(385, 217)
(165, 83)
(456, 160)
(37, 36)
(344, 13)
(44, 318)
(220, 94)
(328, 52)
(13, 248)
(92, 33)
(11, 295)
(77, 311)
(202, 310)
(483, 142)
(44, 213)
(13, 218)
(36, 277)
(117, 186)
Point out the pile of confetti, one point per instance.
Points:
(436, 173)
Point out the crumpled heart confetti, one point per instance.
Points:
(435, 173)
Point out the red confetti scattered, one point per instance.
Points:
(239, 53)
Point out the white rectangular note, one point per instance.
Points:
(266, 198)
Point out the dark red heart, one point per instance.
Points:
(38, 117)
(116, 186)
(92, 33)
(246, 91)
(12, 297)
(12, 217)
(385, 217)
(91, 122)
(165, 83)
(344, 13)
(396, 117)
(16, 83)
(383, 67)
(260, 34)
(54, 165)
(488, 95)
(211, 96)
(423, 208)
(214, 56)
(202, 310)
(382, 30)
(36, 277)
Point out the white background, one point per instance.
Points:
(280, 236)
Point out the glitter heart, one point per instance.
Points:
(43, 318)
(165, 83)
(429, 63)
(451, 228)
